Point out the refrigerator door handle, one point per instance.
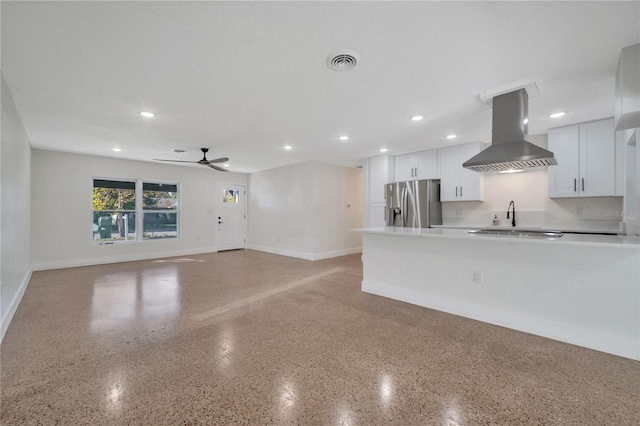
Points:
(404, 207)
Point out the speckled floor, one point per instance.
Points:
(251, 338)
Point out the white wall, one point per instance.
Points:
(337, 208)
(62, 217)
(15, 210)
(529, 190)
(301, 210)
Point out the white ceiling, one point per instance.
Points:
(246, 78)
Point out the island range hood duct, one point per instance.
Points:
(509, 150)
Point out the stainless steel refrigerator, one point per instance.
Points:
(414, 204)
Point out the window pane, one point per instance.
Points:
(158, 196)
(160, 225)
(109, 226)
(114, 195)
(229, 196)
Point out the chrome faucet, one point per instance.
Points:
(513, 220)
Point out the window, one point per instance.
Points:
(229, 196)
(114, 210)
(133, 210)
(160, 211)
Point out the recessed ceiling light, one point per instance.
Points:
(344, 138)
(417, 117)
(116, 149)
(287, 147)
(511, 171)
(147, 114)
(383, 150)
(225, 165)
(557, 114)
(452, 136)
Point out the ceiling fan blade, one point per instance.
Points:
(219, 160)
(220, 169)
(175, 161)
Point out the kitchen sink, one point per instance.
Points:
(550, 235)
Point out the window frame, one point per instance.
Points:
(143, 211)
(139, 210)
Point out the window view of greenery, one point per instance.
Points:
(114, 211)
(160, 211)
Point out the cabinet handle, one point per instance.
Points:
(575, 188)
(582, 184)
(461, 191)
(385, 215)
(416, 169)
(456, 191)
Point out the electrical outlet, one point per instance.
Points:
(477, 277)
(579, 211)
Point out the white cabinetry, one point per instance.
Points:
(456, 182)
(376, 173)
(586, 156)
(418, 165)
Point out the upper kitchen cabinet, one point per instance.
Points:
(586, 160)
(456, 182)
(627, 115)
(418, 165)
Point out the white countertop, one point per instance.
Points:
(614, 241)
(561, 227)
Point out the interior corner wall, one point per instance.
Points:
(337, 209)
(15, 210)
(301, 210)
(62, 185)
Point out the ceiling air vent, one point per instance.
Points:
(343, 61)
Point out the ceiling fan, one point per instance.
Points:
(204, 161)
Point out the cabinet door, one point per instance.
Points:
(404, 167)
(597, 159)
(449, 165)
(377, 217)
(563, 178)
(426, 164)
(378, 177)
(469, 189)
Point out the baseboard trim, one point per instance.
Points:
(61, 264)
(13, 307)
(305, 255)
(580, 336)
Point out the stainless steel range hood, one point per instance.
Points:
(509, 150)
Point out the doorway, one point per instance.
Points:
(232, 216)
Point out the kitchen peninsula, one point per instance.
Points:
(579, 289)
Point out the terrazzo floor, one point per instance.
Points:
(244, 337)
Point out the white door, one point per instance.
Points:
(232, 218)
(469, 180)
(563, 178)
(597, 159)
(426, 164)
(404, 167)
(448, 160)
